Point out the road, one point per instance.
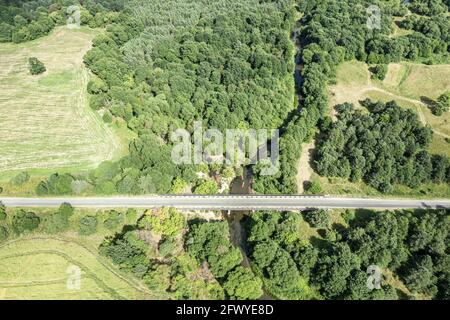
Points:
(235, 203)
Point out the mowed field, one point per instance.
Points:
(42, 268)
(45, 121)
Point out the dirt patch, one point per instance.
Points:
(304, 165)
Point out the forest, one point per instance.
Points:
(335, 265)
(160, 69)
(23, 20)
(385, 146)
(334, 31)
(163, 65)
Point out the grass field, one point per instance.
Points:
(37, 268)
(405, 83)
(45, 122)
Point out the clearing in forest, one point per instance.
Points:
(406, 83)
(411, 85)
(45, 121)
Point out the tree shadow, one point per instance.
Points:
(361, 217)
(427, 101)
(338, 227)
(318, 242)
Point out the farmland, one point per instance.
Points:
(23, 261)
(45, 122)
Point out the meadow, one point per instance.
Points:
(45, 121)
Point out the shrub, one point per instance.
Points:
(207, 187)
(314, 187)
(56, 185)
(114, 220)
(20, 179)
(3, 233)
(58, 221)
(441, 105)
(36, 66)
(107, 117)
(87, 225)
(167, 246)
(2, 212)
(24, 221)
(166, 221)
(379, 71)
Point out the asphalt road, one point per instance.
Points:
(228, 202)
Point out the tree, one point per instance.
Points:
(207, 187)
(419, 276)
(242, 284)
(87, 225)
(317, 218)
(24, 221)
(159, 278)
(441, 105)
(166, 221)
(334, 268)
(36, 66)
(210, 242)
(306, 258)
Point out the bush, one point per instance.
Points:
(56, 185)
(113, 221)
(348, 215)
(131, 216)
(36, 66)
(87, 225)
(379, 71)
(2, 212)
(207, 187)
(58, 221)
(317, 218)
(20, 179)
(167, 246)
(158, 279)
(24, 221)
(314, 187)
(107, 117)
(441, 105)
